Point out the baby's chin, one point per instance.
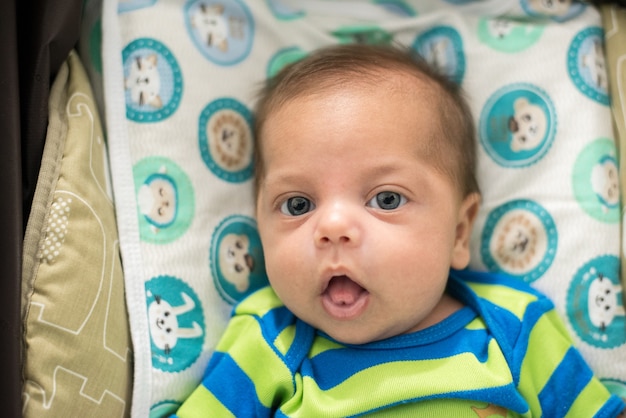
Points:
(364, 330)
(356, 334)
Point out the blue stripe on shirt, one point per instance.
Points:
(235, 388)
(568, 380)
(333, 367)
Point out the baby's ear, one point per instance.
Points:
(465, 221)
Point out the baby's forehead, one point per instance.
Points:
(406, 91)
(403, 90)
(418, 114)
(404, 84)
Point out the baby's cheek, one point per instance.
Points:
(279, 266)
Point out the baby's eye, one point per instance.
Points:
(296, 206)
(387, 201)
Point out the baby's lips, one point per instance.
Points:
(343, 291)
(344, 298)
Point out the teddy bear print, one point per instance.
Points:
(603, 302)
(163, 321)
(550, 7)
(594, 62)
(528, 125)
(214, 27)
(158, 200)
(236, 262)
(144, 81)
(605, 183)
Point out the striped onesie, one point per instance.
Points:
(506, 353)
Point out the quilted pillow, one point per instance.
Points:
(78, 358)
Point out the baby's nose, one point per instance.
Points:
(338, 223)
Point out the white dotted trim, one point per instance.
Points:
(56, 231)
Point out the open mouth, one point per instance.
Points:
(344, 298)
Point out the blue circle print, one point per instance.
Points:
(165, 200)
(130, 5)
(586, 64)
(517, 125)
(223, 30)
(399, 7)
(442, 46)
(282, 58)
(509, 35)
(559, 11)
(176, 323)
(164, 408)
(153, 81)
(519, 238)
(615, 386)
(596, 178)
(283, 10)
(236, 257)
(225, 139)
(594, 303)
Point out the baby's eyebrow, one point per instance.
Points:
(282, 179)
(382, 168)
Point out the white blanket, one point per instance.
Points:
(180, 78)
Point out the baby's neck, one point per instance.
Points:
(444, 309)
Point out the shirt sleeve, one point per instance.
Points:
(554, 377)
(547, 369)
(247, 374)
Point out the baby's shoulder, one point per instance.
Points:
(265, 317)
(496, 291)
(258, 303)
(509, 308)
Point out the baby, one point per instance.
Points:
(366, 197)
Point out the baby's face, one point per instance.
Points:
(359, 229)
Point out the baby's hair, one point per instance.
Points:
(338, 66)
